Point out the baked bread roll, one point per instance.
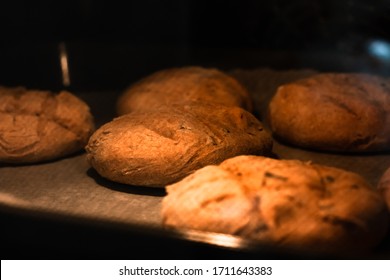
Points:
(287, 203)
(333, 112)
(162, 146)
(183, 85)
(384, 186)
(38, 126)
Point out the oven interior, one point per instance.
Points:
(109, 45)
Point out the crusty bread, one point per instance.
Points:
(286, 203)
(262, 84)
(183, 85)
(333, 112)
(162, 146)
(38, 126)
(384, 186)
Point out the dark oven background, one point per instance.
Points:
(113, 43)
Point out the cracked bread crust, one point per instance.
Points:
(333, 112)
(162, 146)
(38, 126)
(184, 85)
(286, 203)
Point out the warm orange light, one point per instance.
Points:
(64, 64)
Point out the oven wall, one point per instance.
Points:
(113, 43)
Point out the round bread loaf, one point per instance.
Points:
(38, 126)
(333, 112)
(384, 186)
(287, 203)
(162, 146)
(183, 85)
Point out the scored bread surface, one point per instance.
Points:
(286, 203)
(38, 126)
(162, 146)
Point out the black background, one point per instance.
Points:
(113, 43)
(277, 24)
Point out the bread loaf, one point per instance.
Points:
(333, 112)
(162, 146)
(38, 126)
(183, 85)
(384, 186)
(287, 203)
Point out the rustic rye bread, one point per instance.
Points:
(164, 145)
(183, 85)
(287, 203)
(333, 112)
(384, 186)
(38, 126)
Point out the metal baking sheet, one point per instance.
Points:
(69, 186)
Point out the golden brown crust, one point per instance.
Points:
(384, 186)
(38, 126)
(335, 112)
(281, 202)
(183, 85)
(162, 146)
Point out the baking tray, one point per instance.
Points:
(68, 189)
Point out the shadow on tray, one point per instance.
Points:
(123, 187)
